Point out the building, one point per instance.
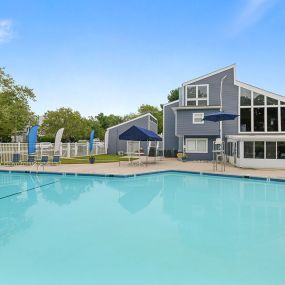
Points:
(112, 143)
(256, 138)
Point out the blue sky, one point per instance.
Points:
(111, 56)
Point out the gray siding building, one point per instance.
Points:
(112, 143)
(255, 138)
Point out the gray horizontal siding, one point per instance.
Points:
(115, 145)
(185, 124)
(170, 139)
(230, 97)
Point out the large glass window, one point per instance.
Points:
(271, 101)
(281, 150)
(245, 120)
(258, 99)
(271, 150)
(282, 110)
(272, 119)
(197, 95)
(259, 150)
(248, 149)
(259, 119)
(245, 97)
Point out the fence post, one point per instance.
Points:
(19, 147)
(87, 149)
(75, 149)
(68, 150)
(60, 149)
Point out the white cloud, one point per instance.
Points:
(5, 30)
(253, 12)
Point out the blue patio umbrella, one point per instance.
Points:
(219, 117)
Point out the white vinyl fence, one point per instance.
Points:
(66, 150)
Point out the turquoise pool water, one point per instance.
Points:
(168, 228)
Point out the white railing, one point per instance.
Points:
(66, 150)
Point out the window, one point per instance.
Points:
(248, 150)
(282, 110)
(271, 150)
(272, 119)
(245, 120)
(245, 97)
(133, 146)
(259, 150)
(197, 145)
(197, 95)
(260, 113)
(271, 101)
(198, 118)
(281, 150)
(258, 99)
(258, 119)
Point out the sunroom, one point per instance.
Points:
(256, 151)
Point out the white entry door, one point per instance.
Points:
(133, 146)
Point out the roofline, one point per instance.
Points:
(210, 74)
(258, 90)
(139, 117)
(170, 103)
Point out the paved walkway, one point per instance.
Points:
(164, 164)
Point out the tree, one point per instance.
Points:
(173, 95)
(156, 112)
(75, 126)
(15, 112)
(107, 121)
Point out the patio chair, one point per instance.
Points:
(16, 159)
(31, 159)
(55, 160)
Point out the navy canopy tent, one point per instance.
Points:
(135, 133)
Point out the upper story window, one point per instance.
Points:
(260, 113)
(197, 95)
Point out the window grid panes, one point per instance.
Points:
(264, 150)
(197, 95)
(260, 113)
(196, 145)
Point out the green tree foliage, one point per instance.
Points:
(15, 112)
(173, 95)
(107, 121)
(75, 126)
(155, 111)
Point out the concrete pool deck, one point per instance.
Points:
(165, 164)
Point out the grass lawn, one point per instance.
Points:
(100, 158)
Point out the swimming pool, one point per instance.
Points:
(167, 228)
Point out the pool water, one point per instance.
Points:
(167, 228)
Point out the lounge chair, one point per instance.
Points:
(31, 159)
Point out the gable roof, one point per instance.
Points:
(134, 119)
(211, 74)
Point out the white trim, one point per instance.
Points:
(196, 107)
(139, 117)
(196, 99)
(255, 138)
(211, 74)
(170, 103)
(266, 94)
(196, 140)
(199, 115)
(259, 90)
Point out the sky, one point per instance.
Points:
(112, 56)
